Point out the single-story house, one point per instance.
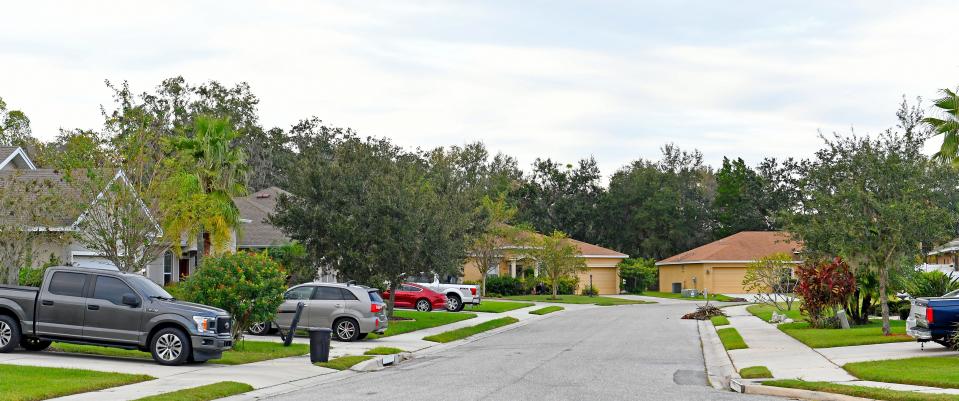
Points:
(720, 266)
(601, 263)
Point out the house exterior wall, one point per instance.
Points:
(604, 270)
(712, 277)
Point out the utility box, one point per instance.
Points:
(690, 293)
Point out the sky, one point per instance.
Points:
(560, 79)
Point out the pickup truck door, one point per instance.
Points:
(325, 304)
(293, 296)
(62, 305)
(107, 318)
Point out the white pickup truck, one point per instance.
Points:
(457, 295)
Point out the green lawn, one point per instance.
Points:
(673, 295)
(719, 320)
(857, 335)
(464, 332)
(862, 392)
(922, 371)
(344, 362)
(755, 372)
(765, 312)
(577, 299)
(383, 351)
(244, 352)
(546, 310)
(421, 320)
(731, 339)
(28, 383)
(497, 306)
(202, 393)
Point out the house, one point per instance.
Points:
(944, 258)
(602, 266)
(720, 266)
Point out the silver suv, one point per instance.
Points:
(351, 311)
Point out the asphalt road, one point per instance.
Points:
(633, 352)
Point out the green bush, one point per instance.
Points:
(177, 291)
(33, 277)
(590, 290)
(504, 285)
(295, 261)
(249, 286)
(904, 312)
(931, 284)
(638, 274)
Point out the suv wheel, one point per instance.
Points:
(34, 344)
(171, 346)
(453, 303)
(424, 305)
(9, 334)
(261, 328)
(346, 329)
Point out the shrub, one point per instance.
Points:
(590, 291)
(823, 286)
(931, 284)
(247, 285)
(638, 275)
(177, 291)
(504, 285)
(904, 312)
(295, 261)
(33, 277)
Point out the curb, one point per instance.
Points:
(380, 362)
(797, 393)
(719, 368)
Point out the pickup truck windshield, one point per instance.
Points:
(149, 288)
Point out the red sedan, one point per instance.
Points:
(418, 297)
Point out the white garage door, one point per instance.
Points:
(92, 262)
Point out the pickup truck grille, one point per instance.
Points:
(223, 325)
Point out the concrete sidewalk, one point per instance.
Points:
(292, 372)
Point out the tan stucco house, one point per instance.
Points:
(720, 266)
(601, 263)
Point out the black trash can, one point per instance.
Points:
(320, 345)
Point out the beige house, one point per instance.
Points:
(601, 263)
(720, 266)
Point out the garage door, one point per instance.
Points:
(728, 279)
(604, 279)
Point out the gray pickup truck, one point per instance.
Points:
(109, 308)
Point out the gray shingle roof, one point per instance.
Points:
(50, 185)
(256, 208)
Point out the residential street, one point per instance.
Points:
(639, 352)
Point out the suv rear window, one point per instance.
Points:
(375, 297)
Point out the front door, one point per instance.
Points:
(293, 296)
(62, 306)
(326, 301)
(184, 268)
(107, 318)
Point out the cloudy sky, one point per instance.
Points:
(559, 79)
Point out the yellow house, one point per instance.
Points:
(601, 263)
(720, 266)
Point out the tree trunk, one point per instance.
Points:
(200, 245)
(389, 305)
(555, 288)
(864, 311)
(883, 277)
(483, 288)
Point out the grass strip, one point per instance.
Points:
(244, 352)
(546, 310)
(673, 295)
(29, 383)
(765, 311)
(719, 321)
(577, 299)
(731, 339)
(755, 372)
(344, 362)
(870, 333)
(861, 391)
(464, 332)
(383, 351)
(202, 393)
(922, 371)
(420, 321)
(497, 306)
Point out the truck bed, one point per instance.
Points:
(23, 300)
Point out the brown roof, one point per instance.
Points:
(586, 248)
(739, 247)
(257, 207)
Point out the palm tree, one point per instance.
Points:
(215, 172)
(948, 126)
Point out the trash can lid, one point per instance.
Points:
(321, 330)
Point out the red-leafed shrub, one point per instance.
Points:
(824, 285)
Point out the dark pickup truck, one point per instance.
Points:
(109, 308)
(934, 319)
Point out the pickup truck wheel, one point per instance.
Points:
(171, 346)
(34, 344)
(9, 334)
(946, 343)
(454, 303)
(424, 305)
(346, 329)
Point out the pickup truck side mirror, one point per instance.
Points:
(130, 300)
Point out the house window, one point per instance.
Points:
(167, 267)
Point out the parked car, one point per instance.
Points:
(109, 308)
(934, 319)
(351, 311)
(457, 295)
(417, 297)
